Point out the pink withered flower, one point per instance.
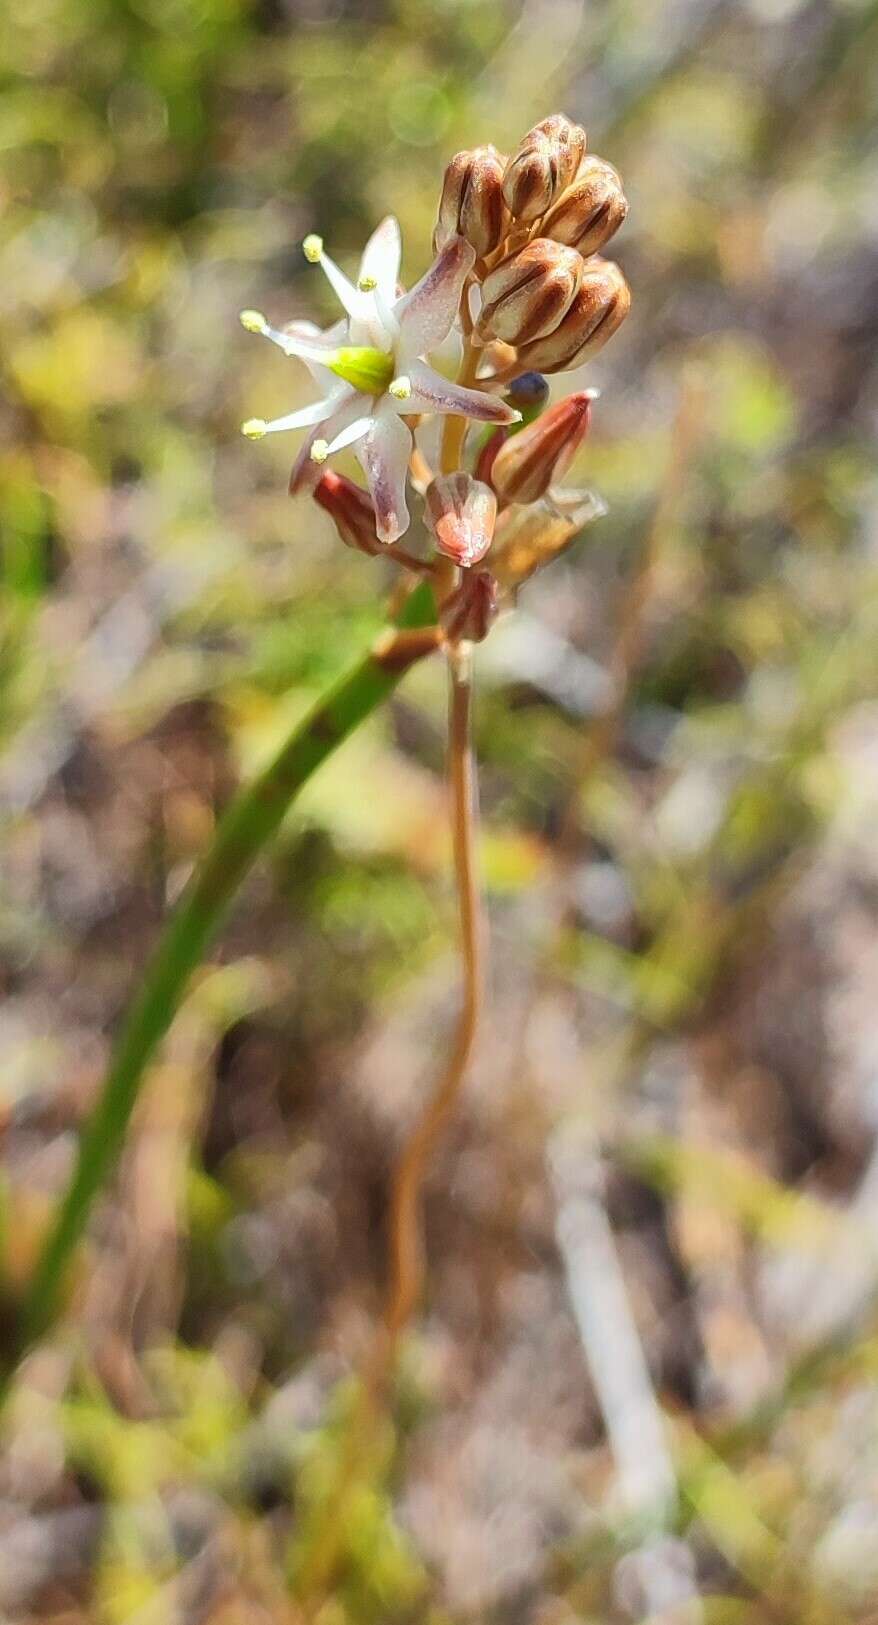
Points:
(373, 371)
(460, 512)
(350, 507)
(471, 610)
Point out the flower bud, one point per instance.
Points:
(472, 203)
(528, 393)
(598, 308)
(526, 465)
(529, 537)
(461, 511)
(527, 295)
(351, 509)
(471, 610)
(546, 161)
(590, 211)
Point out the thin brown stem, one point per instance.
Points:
(420, 470)
(408, 561)
(454, 428)
(407, 1263)
(406, 1273)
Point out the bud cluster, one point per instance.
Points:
(535, 220)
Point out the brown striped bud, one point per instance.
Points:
(351, 509)
(590, 211)
(599, 307)
(545, 162)
(527, 295)
(472, 203)
(461, 511)
(529, 537)
(526, 465)
(471, 610)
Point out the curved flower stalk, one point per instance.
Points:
(373, 369)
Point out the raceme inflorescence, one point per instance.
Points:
(518, 290)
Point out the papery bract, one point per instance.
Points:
(527, 538)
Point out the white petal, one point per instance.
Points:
(348, 404)
(355, 303)
(425, 315)
(327, 339)
(317, 412)
(308, 347)
(384, 457)
(372, 329)
(447, 356)
(433, 393)
(381, 257)
(346, 437)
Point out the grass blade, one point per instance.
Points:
(248, 825)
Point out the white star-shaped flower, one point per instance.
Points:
(372, 368)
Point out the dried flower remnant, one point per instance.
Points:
(471, 610)
(461, 512)
(351, 509)
(529, 537)
(472, 203)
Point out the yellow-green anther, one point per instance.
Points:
(320, 451)
(367, 284)
(312, 248)
(366, 369)
(253, 321)
(401, 388)
(254, 428)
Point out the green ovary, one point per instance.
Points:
(366, 369)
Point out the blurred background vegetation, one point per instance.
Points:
(644, 1385)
